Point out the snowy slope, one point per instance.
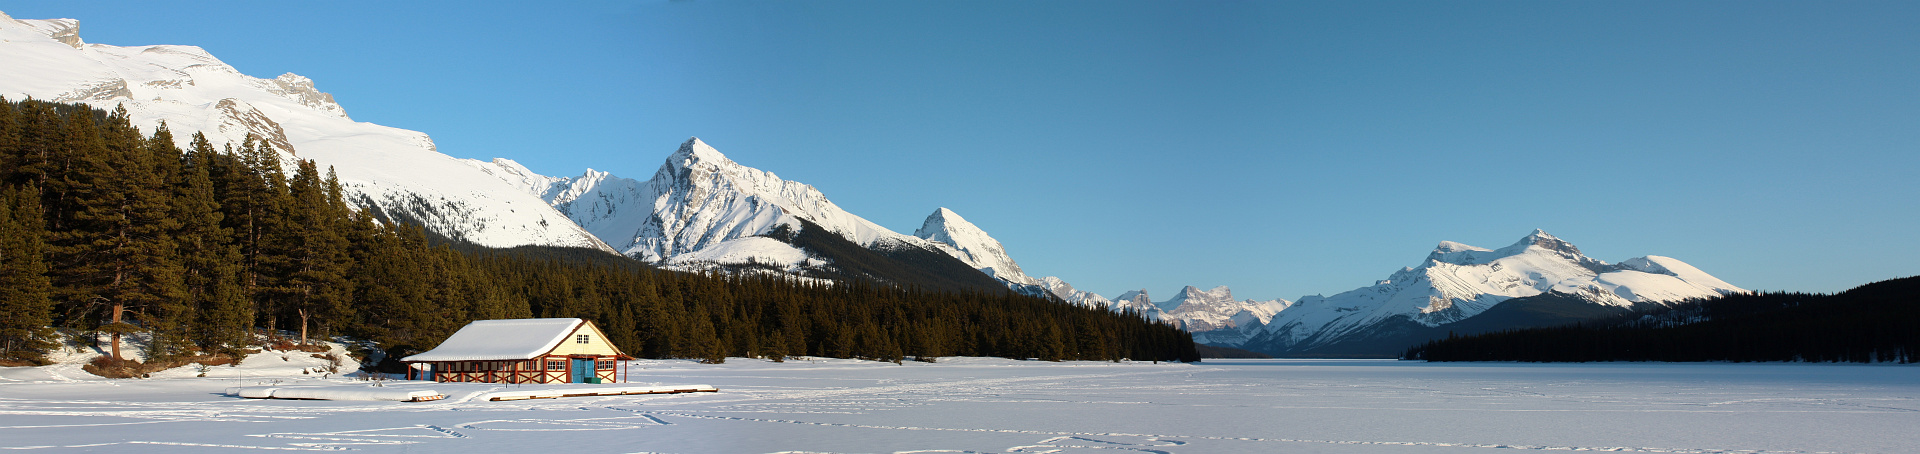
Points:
(395, 170)
(1458, 281)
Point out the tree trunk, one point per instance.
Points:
(303, 327)
(117, 309)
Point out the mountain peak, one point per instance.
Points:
(1456, 253)
(66, 31)
(972, 245)
(945, 213)
(1462, 254)
(695, 150)
(1221, 293)
(1538, 236)
(1135, 296)
(944, 224)
(1542, 239)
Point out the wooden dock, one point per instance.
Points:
(595, 390)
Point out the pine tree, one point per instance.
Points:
(9, 140)
(211, 260)
(169, 314)
(24, 288)
(108, 253)
(315, 250)
(38, 131)
(256, 201)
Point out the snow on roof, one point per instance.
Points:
(489, 340)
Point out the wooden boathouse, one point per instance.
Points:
(530, 350)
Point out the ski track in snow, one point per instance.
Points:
(972, 405)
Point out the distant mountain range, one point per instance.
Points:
(1461, 286)
(701, 211)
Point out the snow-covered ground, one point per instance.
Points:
(996, 405)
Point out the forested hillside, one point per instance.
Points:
(106, 229)
(1871, 323)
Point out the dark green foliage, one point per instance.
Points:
(1871, 323)
(209, 256)
(201, 247)
(26, 311)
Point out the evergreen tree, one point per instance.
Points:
(210, 258)
(9, 140)
(24, 289)
(114, 250)
(315, 251)
(169, 313)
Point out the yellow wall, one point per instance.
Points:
(596, 343)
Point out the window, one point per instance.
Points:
(580, 339)
(556, 364)
(604, 364)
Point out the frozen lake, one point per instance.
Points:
(996, 405)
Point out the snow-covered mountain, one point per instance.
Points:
(967, 242)
(955, 236)
(699, 209)
(396, 171)
(1214, 317)
(1457, 282)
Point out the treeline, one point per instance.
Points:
(1871, 323)
(683, 315)
(104, 229)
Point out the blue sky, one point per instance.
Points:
(1281, 148)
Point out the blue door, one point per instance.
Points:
(582, 368)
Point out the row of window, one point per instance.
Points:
(555, 365)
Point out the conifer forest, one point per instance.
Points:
(1869, 323)
(106, 231)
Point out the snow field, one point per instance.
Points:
(998, 405)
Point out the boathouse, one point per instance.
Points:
(529, 350)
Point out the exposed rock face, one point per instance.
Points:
(298, 88)
(102, 91)
(239, 118)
